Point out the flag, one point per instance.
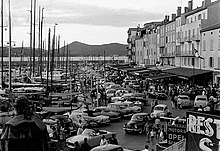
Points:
(196, 53)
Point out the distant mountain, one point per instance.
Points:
(77, 49)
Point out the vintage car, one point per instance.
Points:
(103, 110)
(93, 136)
(88, 120)
(134, 108)
(160, 110)
(183, 101)
(120, 108)
(115, 86)
(136, 97)
(137, 123)
(161, 96)
(70, 126)
(200, 100)
(110, 147)
(121, 92)
(110, 93)
(157, 95)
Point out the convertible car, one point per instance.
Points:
(93, 136)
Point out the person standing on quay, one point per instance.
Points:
(25, 131)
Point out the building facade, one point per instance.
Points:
(180, 40)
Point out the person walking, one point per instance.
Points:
(103, 141)
(25, 131)
(80, 130)
(85, 146)
(76, 146)
(113, 140)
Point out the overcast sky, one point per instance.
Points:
(88, 21)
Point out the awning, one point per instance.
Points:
(160, 76)
(187, 72)
(134, 69)
(145, 72)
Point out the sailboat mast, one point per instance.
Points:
(41, 39)
(21, 59)
(9, 51)
(48, 61)
(39, 50)
(31, 41)
(34, 38)
(2, 42)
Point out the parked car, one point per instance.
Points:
(130, 105)
(161, 96)
(120, 108)
(200, 100)
(110, 147)
(65, 122)
(183, 101)
(89, 121)
(94, 137)
(137, 123)
(115, 86)
(103, 110)
(120, 92)
(160, 110)
(136, 98)
(110, 93)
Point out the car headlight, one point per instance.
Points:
(135, 126)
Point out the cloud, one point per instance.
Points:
(101, 16)
(75, 13)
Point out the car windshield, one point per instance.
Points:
(201, 99)
(158, 108)
(130, 104)
(137, 118)
(184, 97)
(106, 110)
(122, 106)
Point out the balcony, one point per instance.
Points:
(167, 55)
(185, 54)
(196, 37)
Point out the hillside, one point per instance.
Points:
(77, 49)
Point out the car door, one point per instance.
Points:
(94, 139)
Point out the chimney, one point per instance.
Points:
(207, 3)
(168, 18)
(178, 11)
(173, 16)
(185, 9)
(165, 19)
(190, 5)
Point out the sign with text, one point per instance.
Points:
(176, 131)
(203, 132)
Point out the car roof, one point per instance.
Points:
(141, 113)
(117, 103)
(183, 95)
(201, 96)
(161, 105)
(108, 147)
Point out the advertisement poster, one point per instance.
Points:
(203, 132)
(175, 131)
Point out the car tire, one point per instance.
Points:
(181, 106)
(126, 132)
